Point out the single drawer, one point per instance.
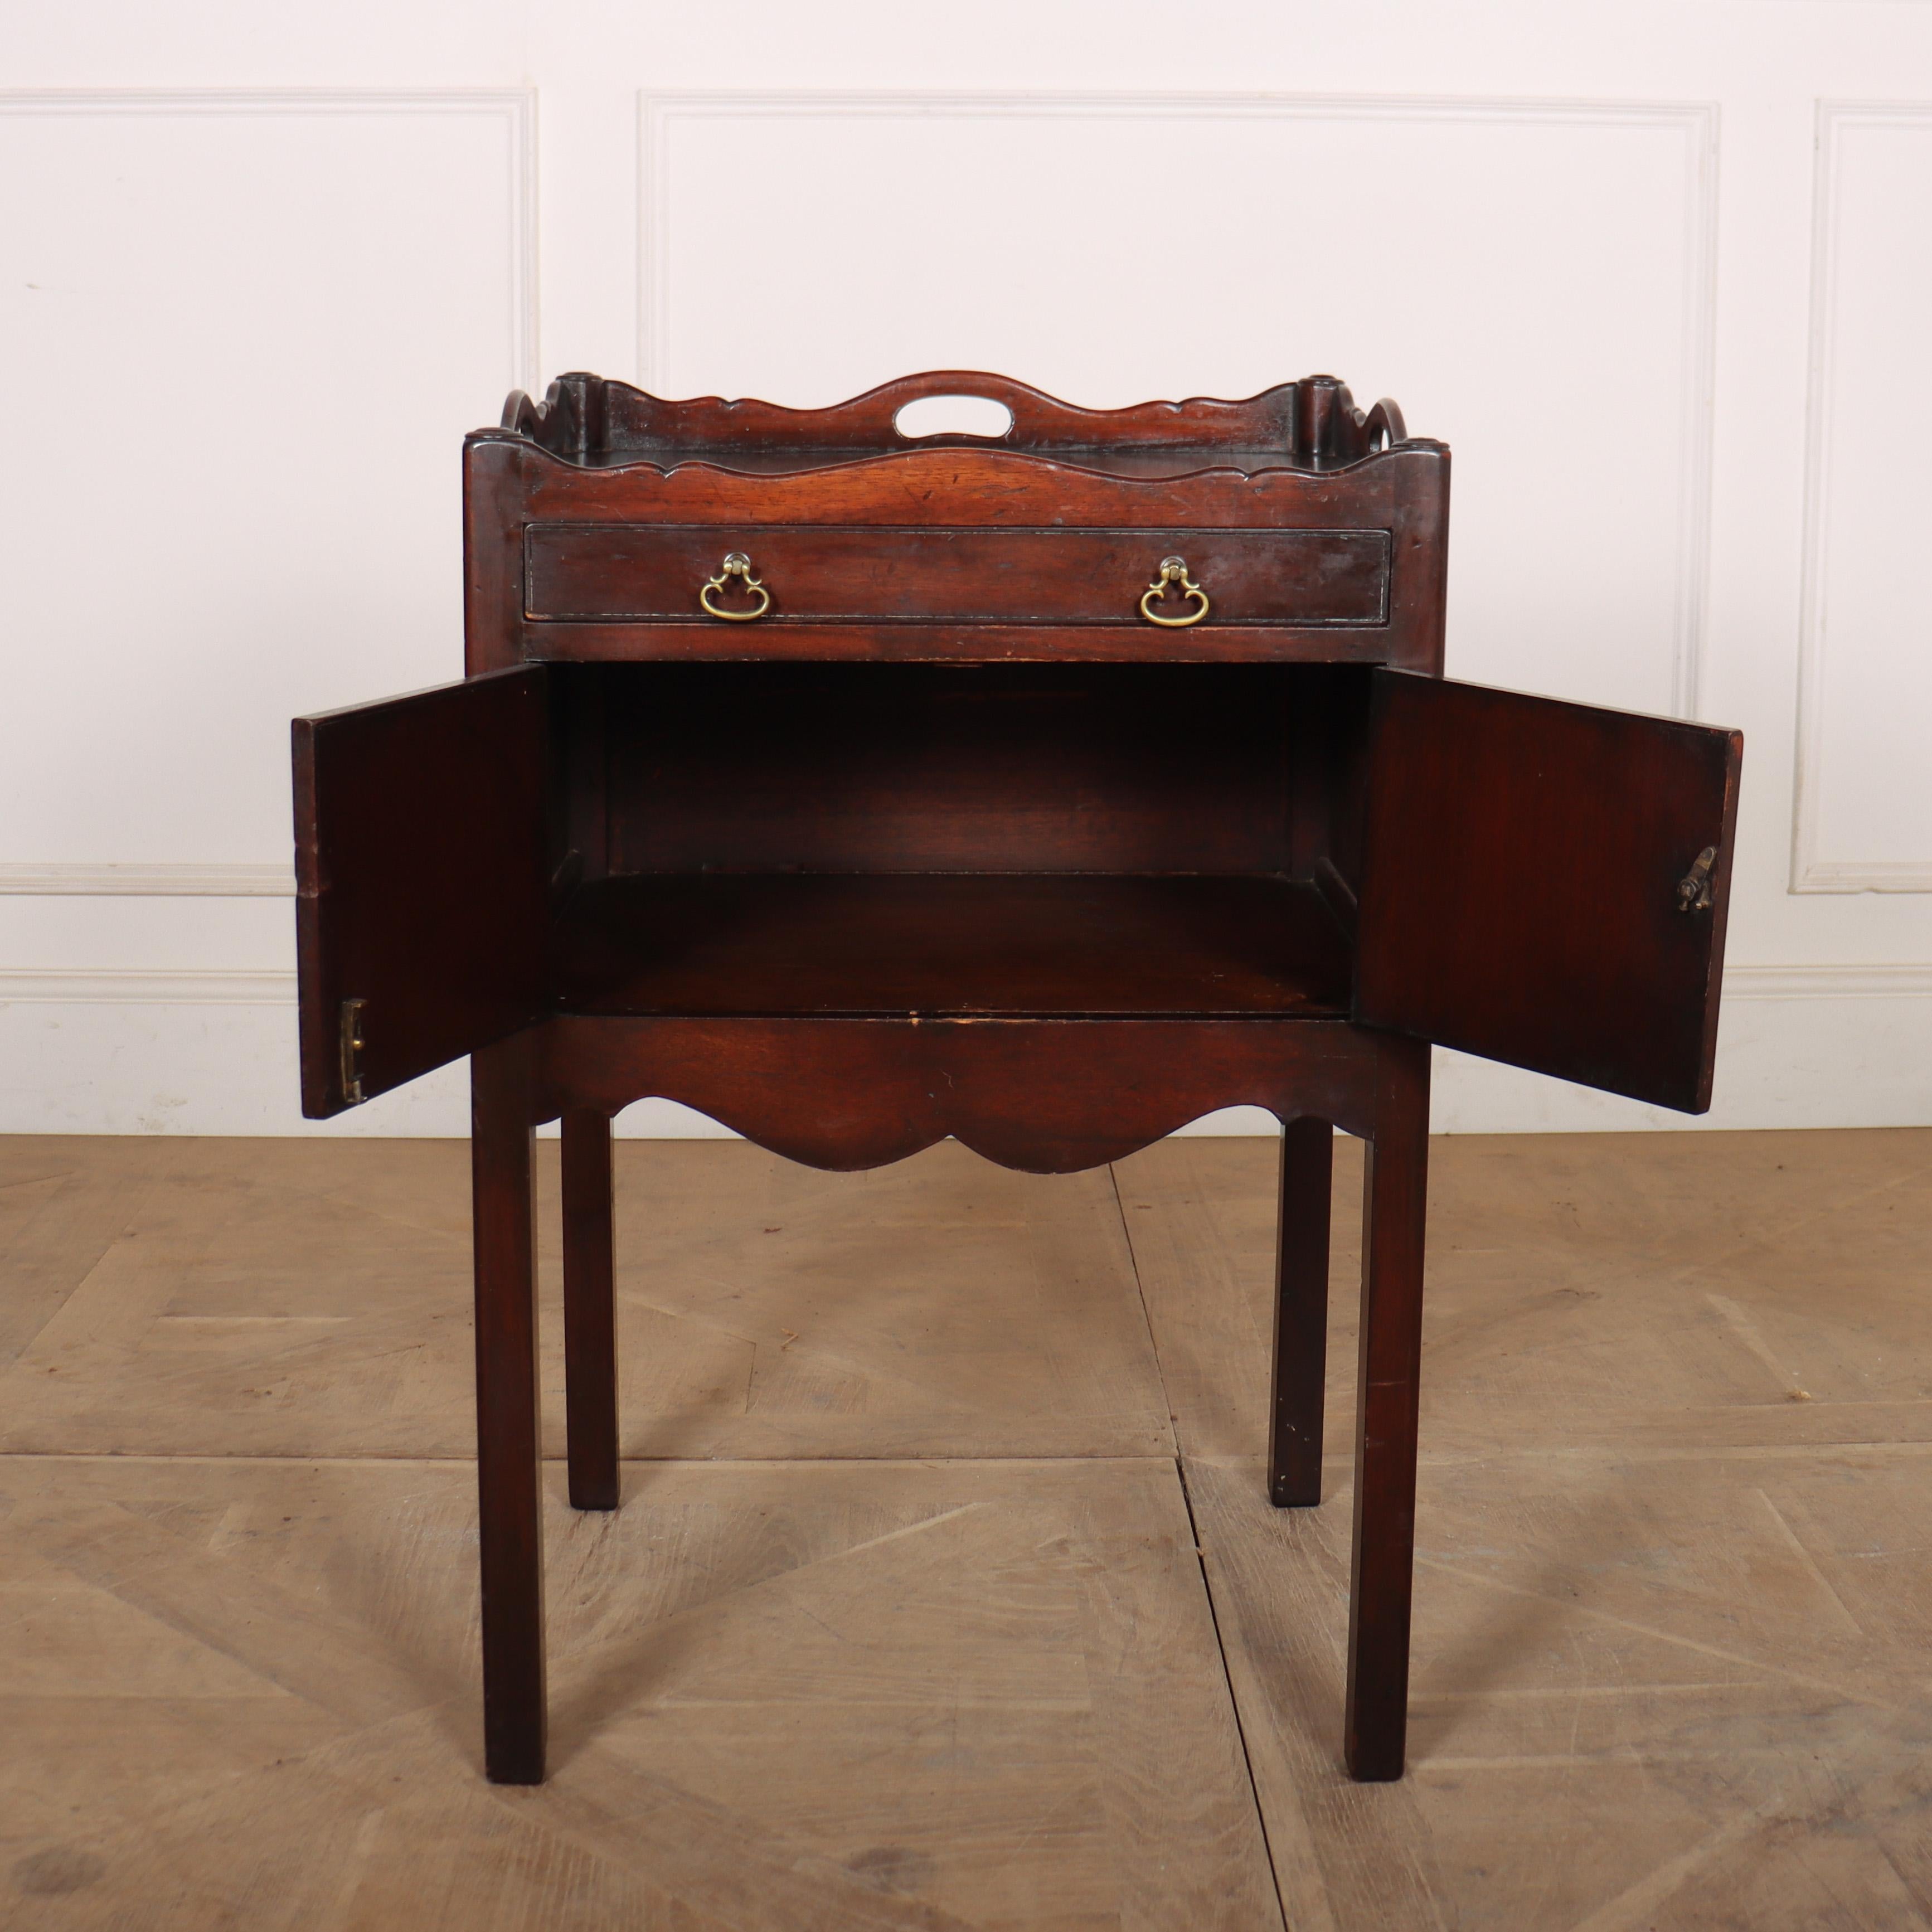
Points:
(659, 574)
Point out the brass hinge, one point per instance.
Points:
(351, 1051)
(1693, 889)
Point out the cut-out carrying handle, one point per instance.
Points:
(1041, 422)
(984, 418)
(1029, 411)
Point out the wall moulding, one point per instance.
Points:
(148, 881)
(223, 986)
(1832, 391)
(1695, 122)
(90, 986)
(516, 107)
(473, 149)
(1872, 980)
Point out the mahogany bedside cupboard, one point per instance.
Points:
(1046, 790)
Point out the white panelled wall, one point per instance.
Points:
(1661, 274)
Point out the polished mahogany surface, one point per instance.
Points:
(422, 879)
(1524, 895)
(916, 768)
(1312, 424)
(840, 783)
(595, 519)
(821, 574)
(938, 944)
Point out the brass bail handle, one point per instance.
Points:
(740, 565)
(1174, 570)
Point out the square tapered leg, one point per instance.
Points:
(1395, 1194)
(509, 1489)
(590, 1311)
(1301, 1314)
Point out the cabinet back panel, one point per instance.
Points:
(918, 768)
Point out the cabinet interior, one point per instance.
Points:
(1011, 839)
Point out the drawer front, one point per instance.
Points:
(654, 574)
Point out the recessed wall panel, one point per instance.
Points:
(244, 337)
(1864, 805)
(1530, 283)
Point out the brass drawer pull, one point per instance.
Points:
(1174, 570)
(736, 564)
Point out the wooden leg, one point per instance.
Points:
(508, 1471)
(590, 1311)
(1300, 1314)
(1394, 1195)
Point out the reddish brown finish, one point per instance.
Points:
(590, 1310)
(1387, 1390)
(585, 417)
(421, 879)
(971, 944)
(945, 643)
(1045, 1096)
(1520, 899)
(1402, 492)
(1301, 1314)
(493, 556)
(509, 1491)
(1301, 459)
(953, 843)
(943, 768)
(816, 574)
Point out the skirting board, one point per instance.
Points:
(111, 1052)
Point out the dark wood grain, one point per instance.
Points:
(652, 573)
(1190, 485)
(1301, 1314)
(971, 944)
(422, 847)
(509, 1491)
(1388, 1393)
(1519, 898)
(514, 487)
(586, 418)
(941, 642)
(1125, 768)
(493, 555)
(1327, 773)
(590, 1311)
(953, 842)
(1043, 1095)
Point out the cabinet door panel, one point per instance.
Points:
(1520, 894)
(421, 879)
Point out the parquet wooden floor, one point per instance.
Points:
(944, 1593)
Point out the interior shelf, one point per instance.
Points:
(1016, 944)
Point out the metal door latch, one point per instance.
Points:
(352, 1051)
(1693, 889)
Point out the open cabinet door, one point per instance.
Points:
(421, 884)
(1546, 884)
